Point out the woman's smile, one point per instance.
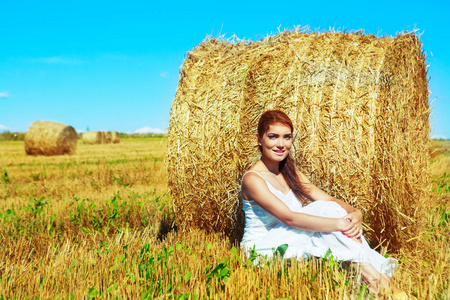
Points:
(276, 142)
(279, 152)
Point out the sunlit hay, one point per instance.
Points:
(218, 270)
(103, 137)
(425, 272)
(50, 138)
(107, 137)
(73, 267)
(115, 137)
(92, 137)
(359, 104)
(426, 268)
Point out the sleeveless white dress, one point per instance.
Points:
(265, 232)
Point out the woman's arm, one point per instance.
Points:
(354, 215)
(255, 188)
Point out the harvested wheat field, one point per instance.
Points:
(99, 224)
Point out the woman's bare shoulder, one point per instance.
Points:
(252, 177)
(303, 178)
(256, 173)
(253, 182)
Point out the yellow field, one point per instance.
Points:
(99, 225)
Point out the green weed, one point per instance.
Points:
(441, 185)
(5, 177)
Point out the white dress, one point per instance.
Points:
(265, 232)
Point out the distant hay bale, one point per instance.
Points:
(359, 104)
(115, 137)
(92, 137)
(108, 137)
(103, 137)
(50, 138)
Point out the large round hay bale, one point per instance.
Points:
(359, 104)
(50, 138)
(107, 137)
(92, 137)
(115, 137)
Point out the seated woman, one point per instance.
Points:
(274, 193)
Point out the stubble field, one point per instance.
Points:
(99, 224)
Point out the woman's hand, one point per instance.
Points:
(355, 219)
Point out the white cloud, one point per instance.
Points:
(4, 128)
(438, 137)
(146, 129)
(57, 60)
(164, 74)
(53, 60)
(4, 95)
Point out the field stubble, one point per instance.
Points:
(91, 226)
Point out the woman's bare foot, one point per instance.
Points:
(380, 283)
(397, 293)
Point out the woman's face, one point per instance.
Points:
(276, 142)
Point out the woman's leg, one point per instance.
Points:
(372, 278)
(375, 281)
(395, 289)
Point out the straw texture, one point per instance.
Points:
(50, 138)
(359, 105)
(115, 137)
(103, 135)
(92, 137)
(107, 137)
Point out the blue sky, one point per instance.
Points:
(114, 65)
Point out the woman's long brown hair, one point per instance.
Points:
(287, 166)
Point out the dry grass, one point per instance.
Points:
(440, 158)
(87, 226)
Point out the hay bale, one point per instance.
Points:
(107, 137)
(115, 137)
(50, 138)
(359, 104)
(102, 133)
(92, 137)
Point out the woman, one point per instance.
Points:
(274, 192)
